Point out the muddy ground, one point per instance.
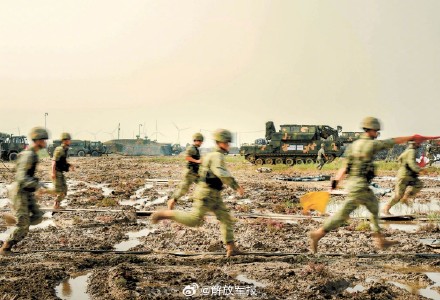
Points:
(124, 184)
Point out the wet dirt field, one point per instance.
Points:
(347, 266)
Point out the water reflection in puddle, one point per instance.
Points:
(73, 288)
(398, 209)
(356, 288)
(133, 239)
(243, 278)
(402, 226)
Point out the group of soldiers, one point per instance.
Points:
(27, 211)
(210, 175)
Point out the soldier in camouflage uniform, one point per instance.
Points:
(407, 178)
(321, 157)
(428, 153)
(207, 196)
(59, 166)
(192, 156)
(359, 166)
(25, 207)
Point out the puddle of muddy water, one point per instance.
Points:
(398, 209)
(133, 239)
(74, 288)
(402, 226)
(356, 288)
(243, 278)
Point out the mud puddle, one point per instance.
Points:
(133, 239)
(398, 209)
(245, 279)
(401, 226)
(74, 288)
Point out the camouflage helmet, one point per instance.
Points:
(66, 136)
(38, 133)
(198, 136)
(370, 123)
(223, 136)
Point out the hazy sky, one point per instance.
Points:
(207, 64)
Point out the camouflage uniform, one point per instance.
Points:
(191, 173)
(26, 209)
(429, 155)
(207, 196)
(407, 176)
(360, 168)
(60, 159)
(321, 158)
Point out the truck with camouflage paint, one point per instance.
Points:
(294, 144)
(80, 148)
(11, 145)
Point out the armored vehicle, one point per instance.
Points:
(11, 145)
(138, 147)
(294, 144)
(95, 148)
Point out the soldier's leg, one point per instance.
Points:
(36, 214)
(342, 215)
(193, 218)
(333, 222)
(22, 217)
(399, 191)
(188, 178)
(415, 186)
(226, 222)
(372, 204)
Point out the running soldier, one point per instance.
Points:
(59, 166)
(407, 178)
(27, 211)
(207, 196)
(192, 156)
(360, 168)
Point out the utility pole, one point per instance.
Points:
(45, 115)
(156, 130)
(119, 129)
(140, 125)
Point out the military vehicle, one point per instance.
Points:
(349, 137)
(176, 149)
(80, 148)
(294, 144)
(11, 145)
(95, 148)
(138, 147)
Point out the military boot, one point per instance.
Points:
(382, 243)
(161, 215)
(9, 219)
(314, 238)
(386, 210)
(232, 250)
(171, 203)
(5, 250)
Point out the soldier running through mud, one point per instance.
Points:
(59, 166)
(207, 196)
(27, 211)
(360, 168)
(407, 178)
(192, 156)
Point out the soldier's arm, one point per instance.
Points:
(24, 163)
(412, 161)
(190, 151)
(219, 169)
